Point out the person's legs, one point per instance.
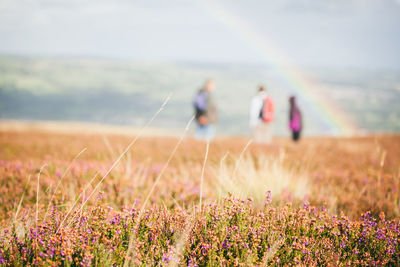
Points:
(200, 132)
(262, 133)
(205, 132)
(256, 135)
(267, 135)
(296, 135)
(210, 132)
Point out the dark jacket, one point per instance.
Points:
(204, 105)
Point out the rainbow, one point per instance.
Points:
(328, 114)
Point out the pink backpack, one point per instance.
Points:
(295, 122)
(267, 111)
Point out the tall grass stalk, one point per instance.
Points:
(202, 172)
(167, 163)
(127, 261)
(118, 159)
(254, 176)
(60, 180)
(108, 145)
(37, 192)
(241, 156)
(22, 198)
(77, 200)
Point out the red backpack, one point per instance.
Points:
(267, 110)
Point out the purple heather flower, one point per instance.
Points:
(225, 244)
(380, 234)
(100, 196)
(268, 197)
(58, 174)
(116, 219)
(166, 258)
(192, 264)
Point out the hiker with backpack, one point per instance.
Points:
(261, 116)
(295, 120)
(205, 111)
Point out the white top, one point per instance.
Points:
(255, 108)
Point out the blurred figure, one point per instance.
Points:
(205, 111)
(261, 116)
(295, 121)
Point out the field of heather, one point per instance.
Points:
(90, 199)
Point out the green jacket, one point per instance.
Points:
(211, 111)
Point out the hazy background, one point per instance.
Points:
(115, 61)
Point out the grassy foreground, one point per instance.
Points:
(67, 200)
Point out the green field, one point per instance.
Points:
(127, 93)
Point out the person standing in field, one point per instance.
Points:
(262, 110)
(295, 120)
(205, 111)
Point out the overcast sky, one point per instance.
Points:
(329, 33)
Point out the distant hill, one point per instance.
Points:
(128, 93)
